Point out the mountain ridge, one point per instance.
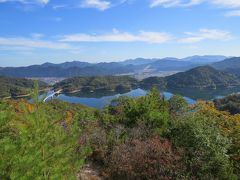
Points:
(132, 66)
(231, 65)
(202, 77)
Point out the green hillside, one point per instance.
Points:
(204, 77)
(12, 87)
(153, 81)
(231, 65)
(106, 83)
(201, 78)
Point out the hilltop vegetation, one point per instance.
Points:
(159, 82)
(133, 138)
(39, 141)
(12, 87)
(229, 103)
(203, 77)
(105, 83)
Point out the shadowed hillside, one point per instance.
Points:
(12, 87)
(231, 65)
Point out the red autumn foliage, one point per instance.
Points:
(147, 159)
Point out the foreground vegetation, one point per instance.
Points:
(133, 138)
(230, 103)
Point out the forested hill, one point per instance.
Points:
(204, 77)
(12, 87)
(109, 83)
(231, 65)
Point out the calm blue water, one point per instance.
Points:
(105, 100)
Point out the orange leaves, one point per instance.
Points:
(208, 109)
(30, 107)
(20, 106)
(69, 117)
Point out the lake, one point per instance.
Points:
(100, 101)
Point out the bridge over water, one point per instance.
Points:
(51, 96)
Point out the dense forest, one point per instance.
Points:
(231, 65)
(203, 77)
(107, 83)
(132, 138)
(12, 87)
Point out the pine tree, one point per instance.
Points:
(38, 144)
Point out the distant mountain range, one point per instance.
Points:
(131, 67)
(231, 65)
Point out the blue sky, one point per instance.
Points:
(37, 31)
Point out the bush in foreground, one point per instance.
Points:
(145, 159)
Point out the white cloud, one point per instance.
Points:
(37, 35)
(101, 5)
(116, 36)
(32, 43)
(226, 3)
(97, 4)
(206, 34)
(187, 3)
(233, 13)
(173, 3)
(39, 2)
(59, 6)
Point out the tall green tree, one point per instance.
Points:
(177, 104)
(151, 109)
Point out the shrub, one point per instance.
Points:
(204, 145)
(149, 159)
(177, 105)
(151, 109)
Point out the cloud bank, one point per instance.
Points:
(37, 2)
(32, 43)
(117, 36)
(184, 3)
(206, 34)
